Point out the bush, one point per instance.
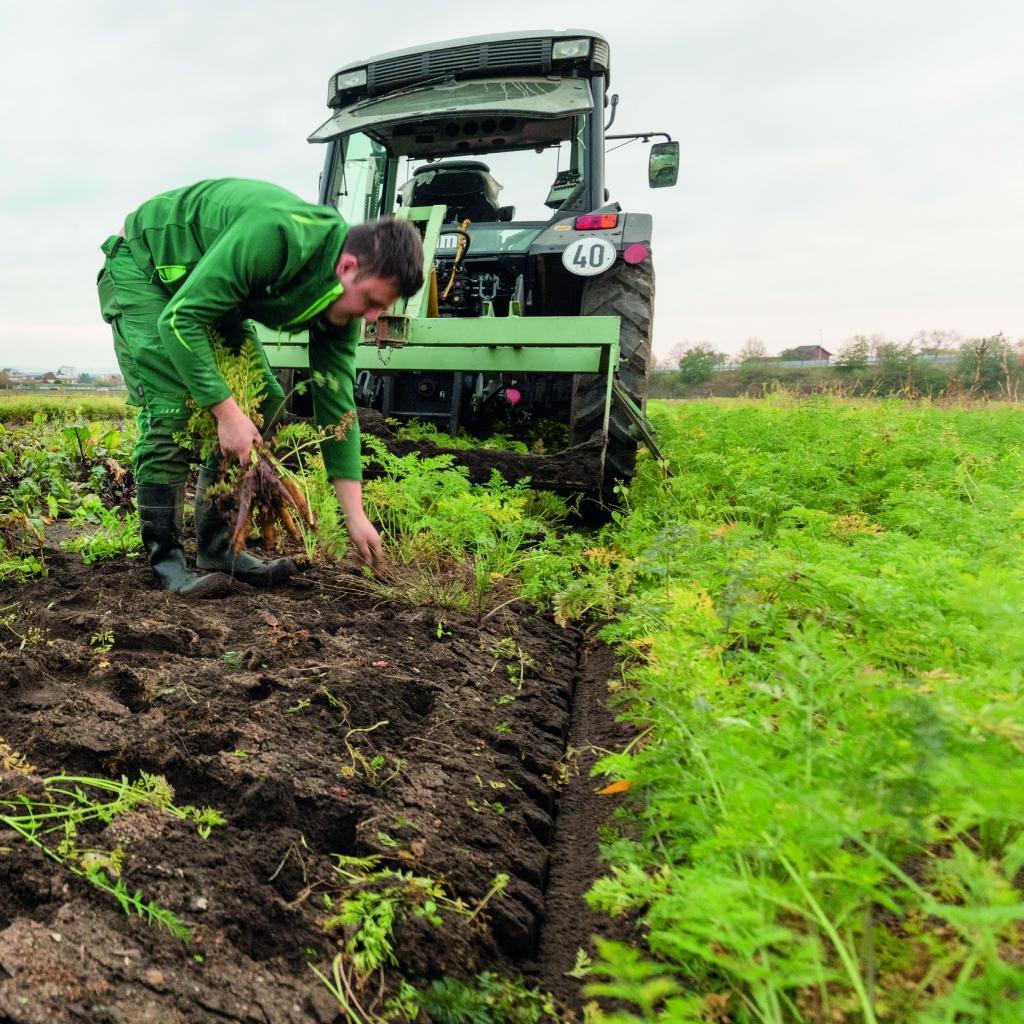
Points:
(697, 364)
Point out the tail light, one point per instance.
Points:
(596, 221)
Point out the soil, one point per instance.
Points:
(571, 471)
(317, 724)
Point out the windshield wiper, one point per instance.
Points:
(428, 83)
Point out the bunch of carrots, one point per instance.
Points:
(265, 492)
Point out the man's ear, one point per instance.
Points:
(347, 262)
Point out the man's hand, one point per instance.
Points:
(364, 535)
(366, 540)
(235, 431)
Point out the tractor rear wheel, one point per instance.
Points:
(625, 291)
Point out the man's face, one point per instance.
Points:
(367, 296)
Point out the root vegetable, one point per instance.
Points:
(298, 499)
(260, 491)
(289, 524)
(246, 492)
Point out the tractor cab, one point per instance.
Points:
(466, 188)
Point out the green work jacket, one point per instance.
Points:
(233, 249)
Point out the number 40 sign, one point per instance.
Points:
(588, 256)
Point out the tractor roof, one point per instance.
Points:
(474, 56)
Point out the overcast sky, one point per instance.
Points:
(849, 166)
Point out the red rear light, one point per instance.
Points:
(596, 221)
(635, 253)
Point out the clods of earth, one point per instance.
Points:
(318, 724)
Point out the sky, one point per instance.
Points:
(848, 166)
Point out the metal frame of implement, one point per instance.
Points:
(405, 339)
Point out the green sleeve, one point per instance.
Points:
(332, 362)
(248, 255)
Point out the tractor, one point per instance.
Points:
(533, 313)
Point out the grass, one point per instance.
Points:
(22, 407)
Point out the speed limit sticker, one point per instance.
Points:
(588, 256)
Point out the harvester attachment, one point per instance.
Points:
(490, 348)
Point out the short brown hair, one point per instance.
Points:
(388, 248)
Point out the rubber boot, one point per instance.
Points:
(213, 544)
(160, 515)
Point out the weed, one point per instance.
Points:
(417, 431)
(517, 661)
(490, 999)
(451, 544)
(477, 806)
(582, 966)
(33, 635)
(372, 903)
(565, 769)
(233, 660)
(374, 899)
(12, 761)
(102, 642)
(359, 763)
(64, 804)
(381, 770)
(116, 536)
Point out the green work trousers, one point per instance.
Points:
(132, 303)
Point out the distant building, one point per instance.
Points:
(807, 353)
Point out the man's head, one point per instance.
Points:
(380, 260)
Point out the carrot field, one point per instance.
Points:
(750, 749)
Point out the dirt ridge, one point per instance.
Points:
(319, 725)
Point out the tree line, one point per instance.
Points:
(929, 363)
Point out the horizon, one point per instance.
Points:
(951, 341)
(852, 164)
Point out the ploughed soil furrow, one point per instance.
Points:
(318, 725)
(569, 923)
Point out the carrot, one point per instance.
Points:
(289, 523)
(271, 498)
(246, 494)
(298, 499)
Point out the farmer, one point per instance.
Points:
(211, 256)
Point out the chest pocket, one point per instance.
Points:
(172, 275)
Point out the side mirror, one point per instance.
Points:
(663, 165)
(505, 213)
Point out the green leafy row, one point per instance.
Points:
(827, 800)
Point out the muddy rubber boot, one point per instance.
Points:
(213, 544)
(160, 515)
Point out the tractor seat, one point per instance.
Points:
(466, 187)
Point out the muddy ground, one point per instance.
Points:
(318, 724)
(572, 471)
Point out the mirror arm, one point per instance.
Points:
(646, 136)
(614, 105)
